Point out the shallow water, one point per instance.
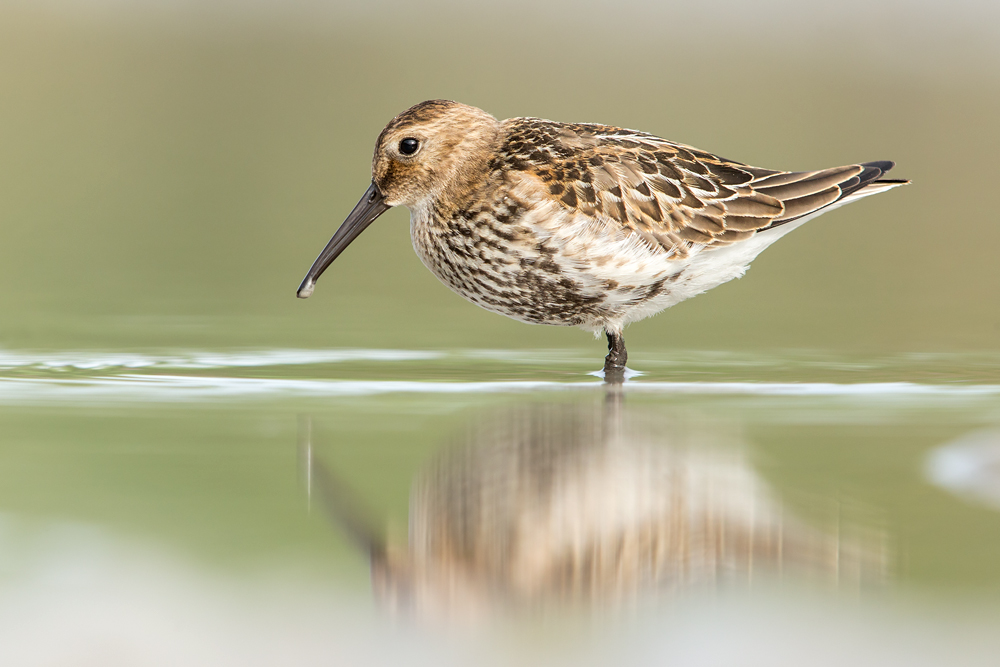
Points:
(253, 503)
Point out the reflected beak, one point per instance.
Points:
(371, 206)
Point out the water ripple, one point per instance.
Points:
(85, 360)
(178, 388)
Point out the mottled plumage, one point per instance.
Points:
(581, 224)
(556, 507)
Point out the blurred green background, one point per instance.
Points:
(169, 170)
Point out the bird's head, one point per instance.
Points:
(436, 151)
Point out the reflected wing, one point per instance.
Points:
(673, 196)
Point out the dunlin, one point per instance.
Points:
(580, 224)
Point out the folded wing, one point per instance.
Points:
(673, 196)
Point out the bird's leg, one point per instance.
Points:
(614, 363)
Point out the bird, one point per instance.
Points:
(580, 224)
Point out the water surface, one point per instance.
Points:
(313, 500)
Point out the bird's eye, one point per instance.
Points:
(408, 146)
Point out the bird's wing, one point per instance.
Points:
(673, 196)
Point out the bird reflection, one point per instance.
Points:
(588, 506)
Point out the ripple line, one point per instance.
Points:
(177, 388)
(81, 360)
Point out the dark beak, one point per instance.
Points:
(371, 206)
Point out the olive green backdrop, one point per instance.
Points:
(167, 177)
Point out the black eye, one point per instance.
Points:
(408, 146)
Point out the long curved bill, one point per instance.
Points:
(371, 206)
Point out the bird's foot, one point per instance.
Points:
(614, 372)
(614, 363)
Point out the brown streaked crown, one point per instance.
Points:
(455, 143)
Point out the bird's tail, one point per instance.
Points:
(868, 181)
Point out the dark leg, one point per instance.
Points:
(614, 363)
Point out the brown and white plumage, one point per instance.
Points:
(673, 196)
(581, 224)
(548, 507)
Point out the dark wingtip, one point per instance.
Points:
(872, 173)
(883, 165)
(869, 175)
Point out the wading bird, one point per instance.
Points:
(580, 224)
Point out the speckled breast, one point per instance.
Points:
(497, 264)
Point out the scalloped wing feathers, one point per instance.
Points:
(674, 197)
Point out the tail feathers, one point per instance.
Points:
(867, 182)
(870, 182)
(872, 188)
